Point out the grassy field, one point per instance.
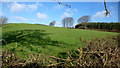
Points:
(24, 39)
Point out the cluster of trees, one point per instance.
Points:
(105, 26)
(69, 21)
(3, 20)
(84, 20)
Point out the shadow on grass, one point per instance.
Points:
(26, 37)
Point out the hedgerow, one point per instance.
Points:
(104, 26)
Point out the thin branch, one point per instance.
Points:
(60, 3)
(107, 12)
(54, 64)
(3, 41)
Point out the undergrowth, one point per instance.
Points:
(98, 52)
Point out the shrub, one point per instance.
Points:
(9, 60)
(99, 52)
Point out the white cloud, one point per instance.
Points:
(1, 13)
(5, 0)
(58, 6)
(58, 24)
(75, 10)
(17, 7)
(66, 14)
(100, 14)
(42, 16)
(21, 18)
(67, 10)
(71, 10)
(33, 6)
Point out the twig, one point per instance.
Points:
(3, 40)
(57, 58)
(60, 3)
(54, 64)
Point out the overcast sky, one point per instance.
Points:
(45, 12)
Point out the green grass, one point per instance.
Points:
(0, 32)
(24, 39)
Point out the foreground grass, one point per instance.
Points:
(98, 53)
(24, 39)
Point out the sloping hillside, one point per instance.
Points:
(23, 39)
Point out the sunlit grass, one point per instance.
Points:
(68, 38)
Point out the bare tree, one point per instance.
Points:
(3, 20)
(52, 23)
(67, 22)
(84, 20)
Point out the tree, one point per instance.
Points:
(3, 20)
(84, 20)
(67, 22)
(52, 23)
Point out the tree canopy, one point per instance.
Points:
(52, 23)
(67, 22)
(84, 19)
(3, 20)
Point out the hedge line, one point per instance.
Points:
(104, 26)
